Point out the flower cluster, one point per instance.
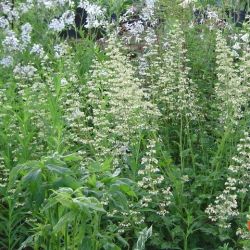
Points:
(239, 41)
(26, 72)
(148, 13)
(186, 3)
(53, 4)
(4, 23)
(156, 194)
(236, 187)
(129, 217)
(117, 105)
(95, 15)
(59, 24)
(230, 91)
(26, 34)
(13, 12)
(4, 174)
(60, 50)
(37, 49)
(13, 44)
(7, 61)
(136, 21)
(174, 90)
(210, 17)
(150, 61)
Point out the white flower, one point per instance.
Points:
(230, 91)
(245, 38)
(6, 61)
(64, 82)
(225, 206)
(51, 4)
(212, 15)
(4, 23)
(186, 3)
(60, 50)
(11, 43)
(68, 17)
(25, 7)
(25, 72)
(6, 8)
(37, 49)
(95, 15)
(25, 34)
(47, 3)
(148, 12)
(235, 53)
(57, 25)
(77, 114)
(236, 46)
(134, 29)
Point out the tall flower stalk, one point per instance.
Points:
(117, 104)
(231, 93)
(174, 91)
(229, 90)
(232, 201)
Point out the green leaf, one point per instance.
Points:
(145, 234)
(33, 175)
(72, 157)
(63, 222)
(122, 240)
(58, 169)
(107, 164)
(116, 173)
(92, 180)
(118, 198)
(127, 190)
(90, 203)
(110, 246)
(27, 242)
(20, 169)
(66, 181)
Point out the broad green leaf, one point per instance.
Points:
(33, 175)
(89, 203)
(58, 169)
(128, 190)
(66, 181)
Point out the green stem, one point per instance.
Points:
(66, 237)
(190, 144)
(220, 151)
(181, 145)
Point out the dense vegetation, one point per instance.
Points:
(124, 125)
